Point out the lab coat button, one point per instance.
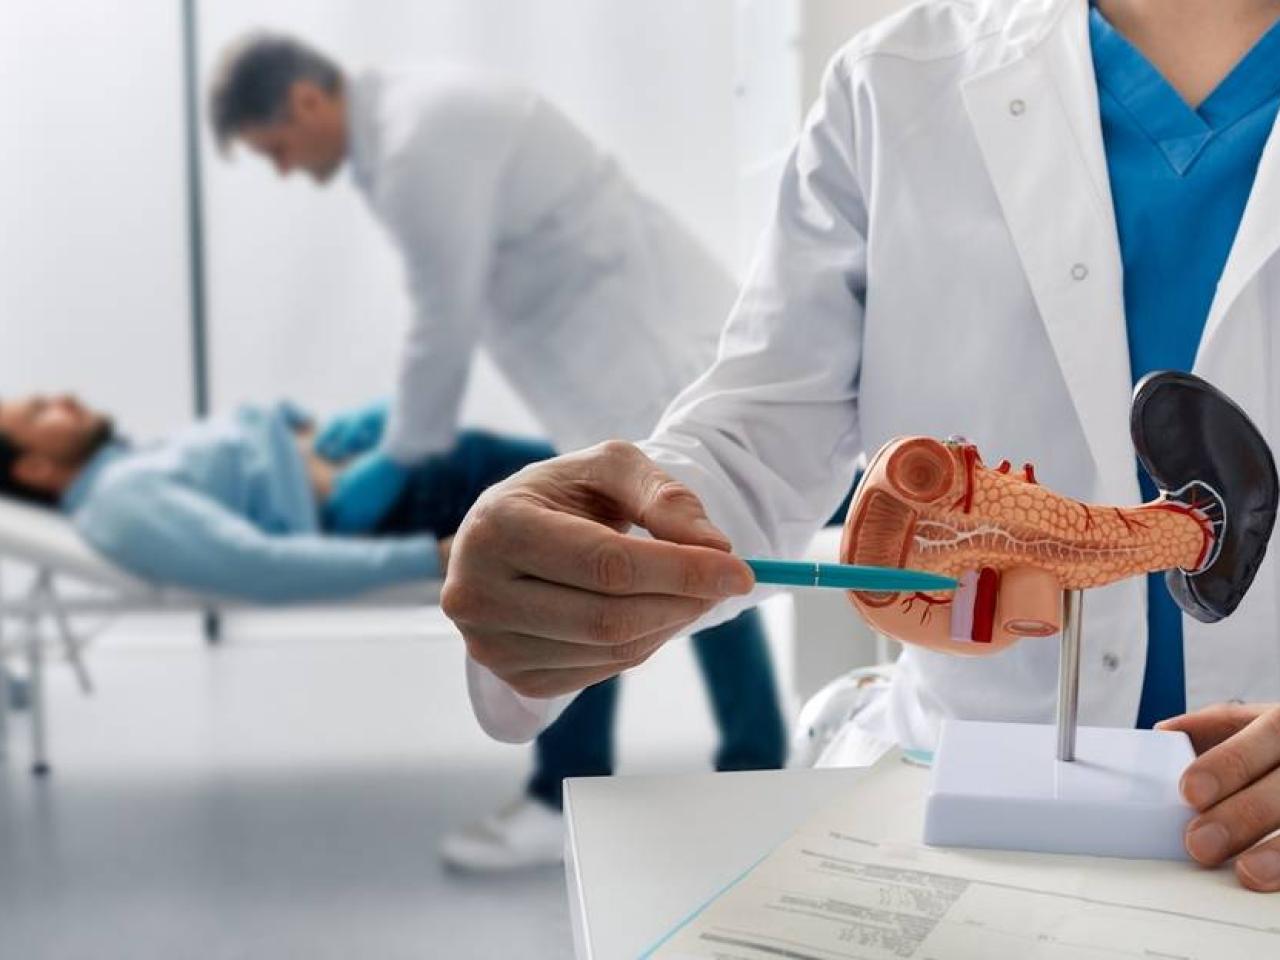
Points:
(1079, 271)
(1017, 107)
(1110, 661)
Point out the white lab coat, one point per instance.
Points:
(520, 235)
(944, 260)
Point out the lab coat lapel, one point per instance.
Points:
(1036, 121)
(1256, 242)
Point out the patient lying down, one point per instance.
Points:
(235, 504)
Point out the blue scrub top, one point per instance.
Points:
(1180, 179)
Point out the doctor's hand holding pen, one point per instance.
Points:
(550, 592)
(1234, 784)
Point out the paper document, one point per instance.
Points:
(856, 883)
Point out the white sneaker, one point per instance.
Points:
(525, 833)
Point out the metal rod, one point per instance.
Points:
(212, 625)
(5, 692)
(35, 672)
(195, 208)
(70, 645)
(196, 261)
(1069, 674)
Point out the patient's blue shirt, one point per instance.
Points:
(1180, 179)
(226, 506)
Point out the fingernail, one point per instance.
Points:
(1208, 842)
(1200, 788)
(735, 583)
(1262, 867)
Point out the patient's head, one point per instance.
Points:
(44, 443)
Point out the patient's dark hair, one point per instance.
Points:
(9, 484)
(252, 83)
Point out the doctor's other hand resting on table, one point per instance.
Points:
(552, 595)
(1234, 784)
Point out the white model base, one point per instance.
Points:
(999, 785)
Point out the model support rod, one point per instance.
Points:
(1069, 674)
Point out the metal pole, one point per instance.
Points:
(195, 210)
(70, 645)
(195, 237)
(212, 621)
(1069, 674)
(35, 682)
(5, 692)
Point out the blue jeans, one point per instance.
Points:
(738, 673)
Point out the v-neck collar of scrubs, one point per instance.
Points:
(1178, 129)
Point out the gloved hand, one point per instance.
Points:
(352, 433)
(364, 492)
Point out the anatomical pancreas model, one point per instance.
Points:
(1015, 545)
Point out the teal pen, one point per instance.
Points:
(843, 576)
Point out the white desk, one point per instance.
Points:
(643, 852)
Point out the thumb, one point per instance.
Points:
(651, 498)
(1211, 725)
(671, 511)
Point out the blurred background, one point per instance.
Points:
(284, 793)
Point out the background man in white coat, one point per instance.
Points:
(998, 216)
(520, 235)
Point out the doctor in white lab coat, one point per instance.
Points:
(517, 234)
(943, 259)
(520, 235)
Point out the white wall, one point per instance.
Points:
(307, 295)
(93, 282)
(783, 46)
(827, 25)
(769, 107)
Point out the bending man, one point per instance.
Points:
(519, 234)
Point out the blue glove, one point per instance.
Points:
(364, 493)
(352, 433)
